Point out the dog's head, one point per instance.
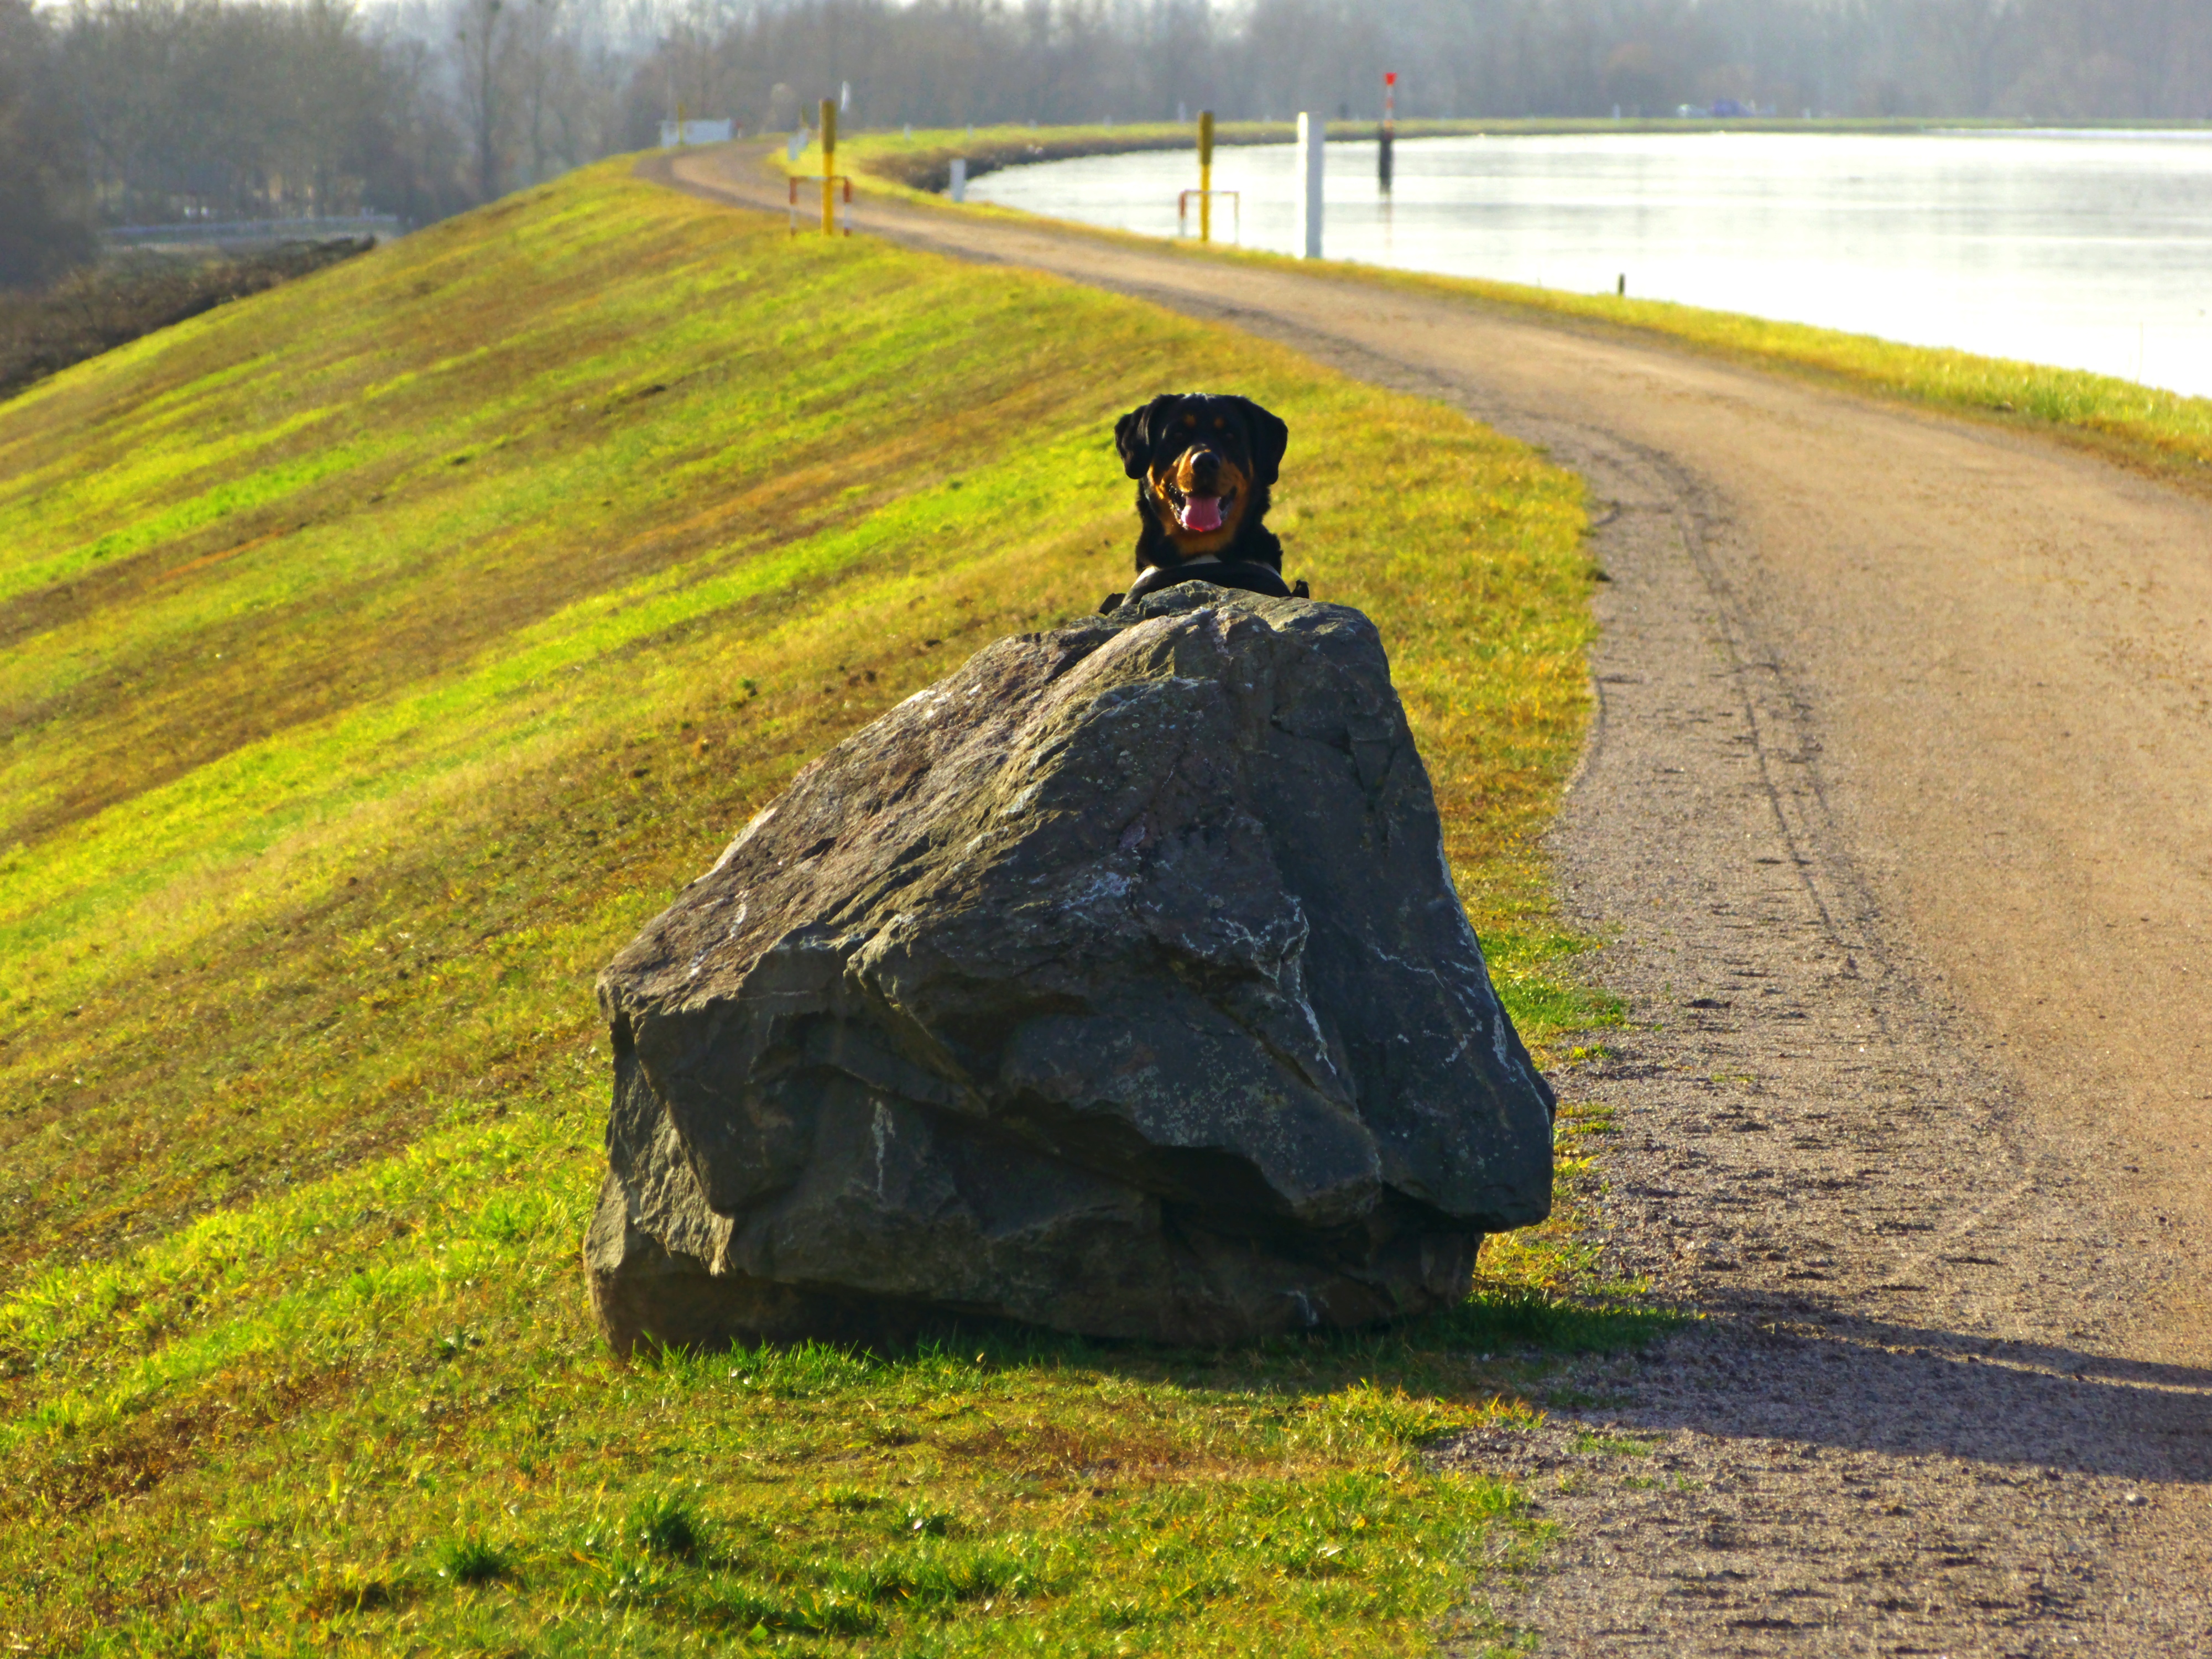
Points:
(1204, 465)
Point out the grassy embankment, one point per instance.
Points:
(2159, 431)
(380, 652)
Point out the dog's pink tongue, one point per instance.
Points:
(1202, 513)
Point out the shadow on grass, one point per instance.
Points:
(1428, 1355)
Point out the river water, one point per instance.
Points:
(2087, 250)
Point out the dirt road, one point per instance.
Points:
(1898, 813)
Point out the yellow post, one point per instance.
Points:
(679, 121)
(829, 166)
(1206, 175)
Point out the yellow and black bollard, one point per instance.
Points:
(1206, 175)
(829, 166)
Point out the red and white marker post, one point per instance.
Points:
(1389, 129)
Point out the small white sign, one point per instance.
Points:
(696, 132)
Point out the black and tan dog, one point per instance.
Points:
(1203, 466)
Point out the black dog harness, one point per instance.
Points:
(1227, 572)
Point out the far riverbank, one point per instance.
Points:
(2159, 430)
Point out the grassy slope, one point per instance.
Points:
(381, 653)
(2161, 431)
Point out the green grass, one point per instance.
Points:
(2161, 432)
(381, 653)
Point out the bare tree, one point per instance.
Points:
(45, 207)
(480, 35)
(540, 66)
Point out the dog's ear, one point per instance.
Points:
(1129, 439)
(1134, 433)
(1270, 438)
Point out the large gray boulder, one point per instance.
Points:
(1115, 983)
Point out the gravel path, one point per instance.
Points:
(1896, 818)
(1909, 1421)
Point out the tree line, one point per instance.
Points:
(117, 111)
(946, 62)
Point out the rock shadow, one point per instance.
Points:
(1907, 1390)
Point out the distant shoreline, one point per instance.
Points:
(923, 163)
(2166, 434)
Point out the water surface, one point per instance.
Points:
(2087, 249)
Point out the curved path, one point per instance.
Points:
(1897, 814)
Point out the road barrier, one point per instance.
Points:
(1205, 198)
(836, 183)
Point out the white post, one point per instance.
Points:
(1313, 139)
(959, 190)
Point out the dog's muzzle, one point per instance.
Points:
(1195, 512)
